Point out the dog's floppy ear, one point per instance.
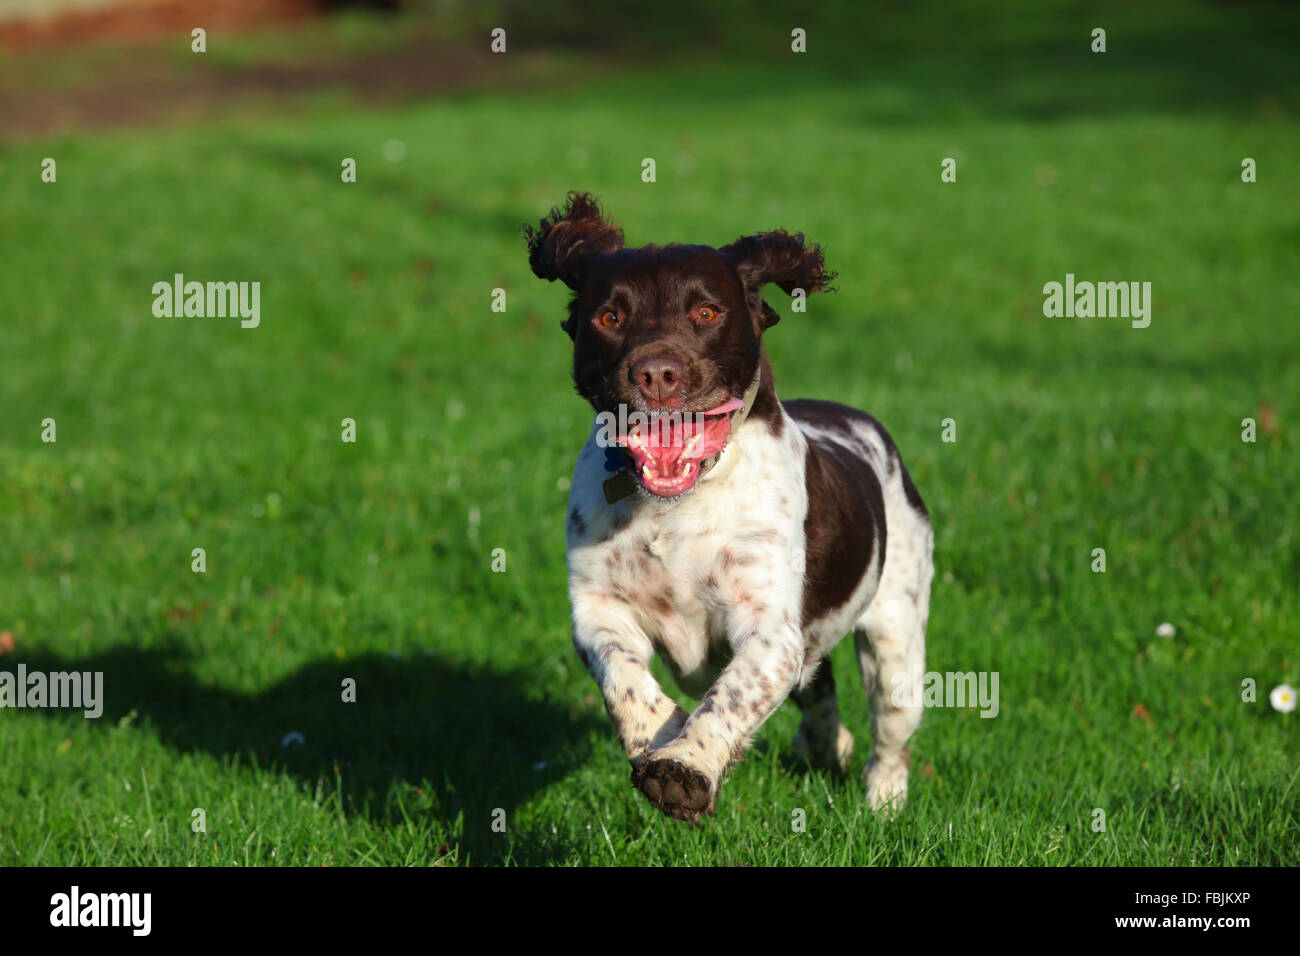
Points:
(565, 240)
(782, 258)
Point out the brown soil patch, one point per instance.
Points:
(148, 90)
(133, 21)
(131, 65)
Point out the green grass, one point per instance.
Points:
(326, 559)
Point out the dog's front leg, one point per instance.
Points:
(682, 777)
(617, 654)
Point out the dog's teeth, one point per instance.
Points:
(647, 471)
(686, 472)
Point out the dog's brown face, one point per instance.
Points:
(673, 330)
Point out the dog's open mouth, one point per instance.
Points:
(667, 451)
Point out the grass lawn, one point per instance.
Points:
(372, 560)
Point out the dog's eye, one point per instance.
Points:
(607, 319)
(706, 314)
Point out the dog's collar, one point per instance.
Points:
(623, 483)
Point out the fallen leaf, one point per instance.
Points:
(1267, 418)
(1142, 712)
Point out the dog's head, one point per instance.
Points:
(671, 331)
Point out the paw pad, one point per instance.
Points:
(677, 790)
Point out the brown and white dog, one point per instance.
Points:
(738, 536)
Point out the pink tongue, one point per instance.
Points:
(730, 405)
(664, 443)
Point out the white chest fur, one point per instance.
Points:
(695, 573)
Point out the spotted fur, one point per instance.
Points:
(807, 528)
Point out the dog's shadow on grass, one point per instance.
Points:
(480, 739)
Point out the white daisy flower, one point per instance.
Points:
(1282, 698)
(394, 150)
(1166, 630)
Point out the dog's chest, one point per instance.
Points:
(678, 595)
(680, 570)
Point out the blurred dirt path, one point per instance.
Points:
(115, 66)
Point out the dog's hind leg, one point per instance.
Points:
(890, 639)
(822, 740)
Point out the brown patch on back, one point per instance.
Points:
(846, 516)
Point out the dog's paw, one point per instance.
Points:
(886, 786)
(831, 755)
(676, 789)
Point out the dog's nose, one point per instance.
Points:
(659, 378)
